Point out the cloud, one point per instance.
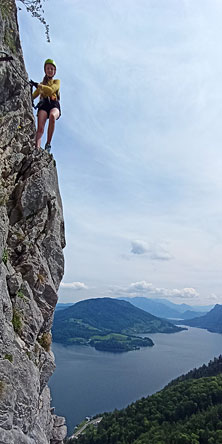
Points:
(152, 250)
(138, 247)
(74, 285)
(141, 286)
(214, 297)
(147, 289)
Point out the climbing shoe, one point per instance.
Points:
(48, 147)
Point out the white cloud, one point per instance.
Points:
(74, 285)
(145, 288)
(186, 293)
(215, 298)
(141, 286)
(154, 251)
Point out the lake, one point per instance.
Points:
(87, 381)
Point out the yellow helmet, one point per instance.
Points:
(51, 62)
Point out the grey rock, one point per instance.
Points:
(31, 258)
(59, 429)
(3, 227)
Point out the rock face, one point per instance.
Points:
(31, 258)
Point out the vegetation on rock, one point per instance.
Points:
(17, 321)
(9, 357)
(20, 294)
(5, 256)
(45, 341)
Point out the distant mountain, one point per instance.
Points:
(153, 307)
(189, 314)
(211, 321)
(107, 324)
(179, 307)
(60, 306)
(162, 310)
(183, 307)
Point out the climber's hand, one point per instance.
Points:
(35, 84)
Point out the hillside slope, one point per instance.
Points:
(94, 320)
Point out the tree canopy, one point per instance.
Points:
(188, 411)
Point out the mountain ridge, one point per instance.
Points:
(163, 309)
(212, 321)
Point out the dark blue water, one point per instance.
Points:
(87, 381)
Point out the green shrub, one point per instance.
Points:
(5, 256)
(20, 294)
(45, 341)
(9, 357)
(17, 322)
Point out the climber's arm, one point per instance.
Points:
(36, 93)
(48, 91)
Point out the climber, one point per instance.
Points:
(48, 106)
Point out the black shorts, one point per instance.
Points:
(47, 105)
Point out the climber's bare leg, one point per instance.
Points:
(53, 116)
(42, 117)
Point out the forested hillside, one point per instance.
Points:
(107, 324)
(212, 369)
(188, 411)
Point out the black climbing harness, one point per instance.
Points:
(8, 58)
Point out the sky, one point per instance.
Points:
(138, 147)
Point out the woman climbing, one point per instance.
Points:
(48, 106)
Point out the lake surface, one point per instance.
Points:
(87, 381)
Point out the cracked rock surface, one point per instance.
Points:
(31, 257)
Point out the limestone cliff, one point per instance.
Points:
(31, 258)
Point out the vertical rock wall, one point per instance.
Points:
(31, 258)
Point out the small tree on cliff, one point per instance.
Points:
(36, 9)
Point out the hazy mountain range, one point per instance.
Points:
(166, 309)
(160, 307)
(211, 321)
